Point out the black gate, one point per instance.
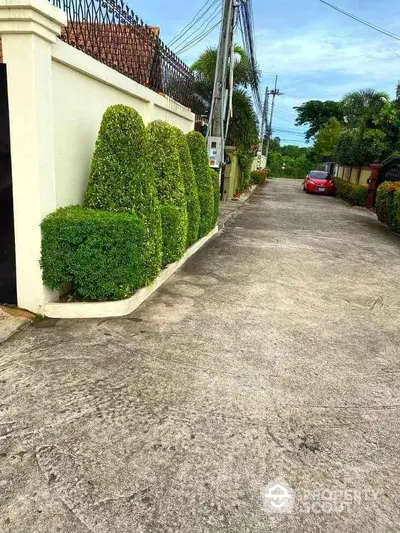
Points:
(389, 172)
(8, 290)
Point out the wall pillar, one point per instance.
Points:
(28, 28)
(375, 168)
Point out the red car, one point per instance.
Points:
(320, 182)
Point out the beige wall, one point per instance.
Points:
(353, 174)
(83, 88)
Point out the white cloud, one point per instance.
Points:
(370, 62)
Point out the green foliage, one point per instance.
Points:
(216, 195)
(243, 73)
(164, 155)
(243, 131)
(258, 177)
(388, 205)
(351, 192)
(360, 147)
(327, 139)
(119, 163)
(360, 108)
(191, 193)
(198, 152)
(121, 177)
(99, 253)
(316, 113)
(290, 162)
(245, 162)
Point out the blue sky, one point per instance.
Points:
(317, 52)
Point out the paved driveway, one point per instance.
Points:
(274, 353)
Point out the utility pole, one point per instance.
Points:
(274, 92)
(263, 127)
(216, 132)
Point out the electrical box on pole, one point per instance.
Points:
(214, 151)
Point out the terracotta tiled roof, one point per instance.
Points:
(130, 49)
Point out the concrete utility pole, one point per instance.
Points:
(275, 92)
(263, 127)
(219, 105)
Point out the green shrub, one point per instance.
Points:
(351, 192)
(98, 252)
(191, 193)
(121, 177)
(245, 161)
(198, 151)
(164, 155)
(388, 205)
(216, 189)
(258, 177)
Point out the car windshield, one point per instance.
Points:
(319, 175)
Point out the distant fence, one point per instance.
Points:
(109, 31)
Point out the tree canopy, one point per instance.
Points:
(316, 113)
(243, 130)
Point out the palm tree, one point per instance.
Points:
(243, 125)
(360, 108)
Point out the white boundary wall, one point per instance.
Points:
(83, 88)
(57, 96)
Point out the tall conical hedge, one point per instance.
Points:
(198, 151)
(164, 155)
(191, 193)
(121, 178)
(216, 194)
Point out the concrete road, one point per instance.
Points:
(274, 353)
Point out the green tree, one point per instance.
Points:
(243, 132)
(360, 108)
(327, 139)
(316, 113)
(360, 146)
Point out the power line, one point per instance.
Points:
(198, 39)
(199, 31)
(197, 17)
(362, 21)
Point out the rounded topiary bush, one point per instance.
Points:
(121, 179)
(164, 156)
(191, 193)
(198, 152)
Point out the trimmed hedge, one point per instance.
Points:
(191, 193)
(164, 154)
(99, 253)
(216, 194)
(198, 151)
(388, 205)
(258, 177)
(351, 192)
(121, 178)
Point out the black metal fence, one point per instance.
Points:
(109, 31)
